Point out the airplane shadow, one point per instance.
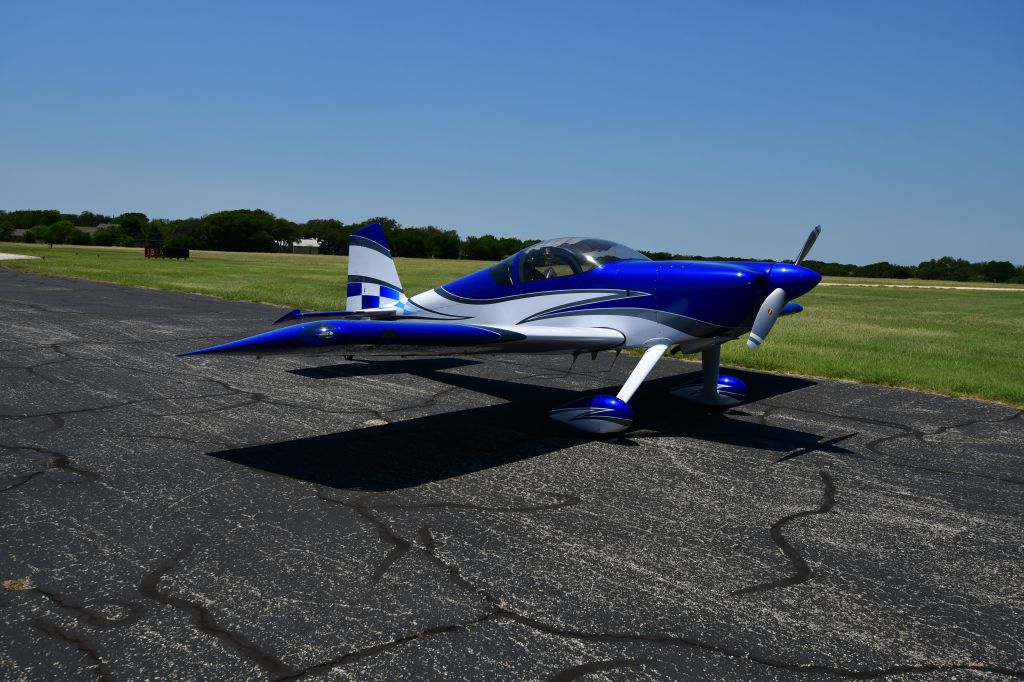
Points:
(420, 450)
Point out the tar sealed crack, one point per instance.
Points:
(80, 643)
(801, 570)
(889, 459)
(498, 611)
(59, 461)
(87, 613)
(202, 618)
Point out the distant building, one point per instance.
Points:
(301, 246)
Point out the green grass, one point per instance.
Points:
(953, 342)
(294, 280)
(967, 343)
(920, 282)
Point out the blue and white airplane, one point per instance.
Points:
(572, 294)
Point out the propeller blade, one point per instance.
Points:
(811, 238)
(766, 316)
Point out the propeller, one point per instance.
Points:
(772, 307)
(766, 316)
(811, 238)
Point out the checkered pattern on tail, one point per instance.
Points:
(367, 295)
(372, 278)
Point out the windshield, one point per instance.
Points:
(569, 256)
(561, 257)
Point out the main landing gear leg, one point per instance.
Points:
(605, 413)
(713, 388)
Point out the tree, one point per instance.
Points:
(409, 242)
(239, 230)
(659, 255)
(90, 219)
(78, 237)
(60, 232)
(184, 233)
(26, 220)
(284, 232)
(442, 243)
(108, 236)
(134, 224)
(998, 270)
(486, 247)
(39, 233)
(329, 232)
(947, 267)
(883, 269)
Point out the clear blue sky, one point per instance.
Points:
(711, 128)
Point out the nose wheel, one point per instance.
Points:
(713, 388)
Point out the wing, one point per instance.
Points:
(344, 334)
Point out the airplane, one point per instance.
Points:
(572, 294)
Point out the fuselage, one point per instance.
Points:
(568, 294)
(691, 303)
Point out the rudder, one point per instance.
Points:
(372, 277)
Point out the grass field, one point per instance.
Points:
(881, 281)
(948, 341)
(294, 280)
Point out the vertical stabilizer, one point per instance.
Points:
(372, 278)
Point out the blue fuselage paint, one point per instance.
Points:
(725, 295)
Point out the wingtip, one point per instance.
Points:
(194, 352)
(289, 315)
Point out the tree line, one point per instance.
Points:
(945, 268)
(248, 230)
(258, 230)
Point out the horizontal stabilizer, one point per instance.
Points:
(374, 313)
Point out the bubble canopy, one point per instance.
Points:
(561, 257)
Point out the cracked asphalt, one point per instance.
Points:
(421, 518)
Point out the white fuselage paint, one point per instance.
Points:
(639, 327)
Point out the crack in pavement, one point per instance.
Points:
(102, 408)
(823, 446)
(400, 546)
(874, 446)
(498, 611)
(91, 618)
(180, 439)
(429, 401)
(80, 643)
(580, 671)
(32, 369)
(384, 532)
(801, 570)
(253, 399)
(908, 432)
(562, 500)
(60, 461)
(359, 654)
(201, 617)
